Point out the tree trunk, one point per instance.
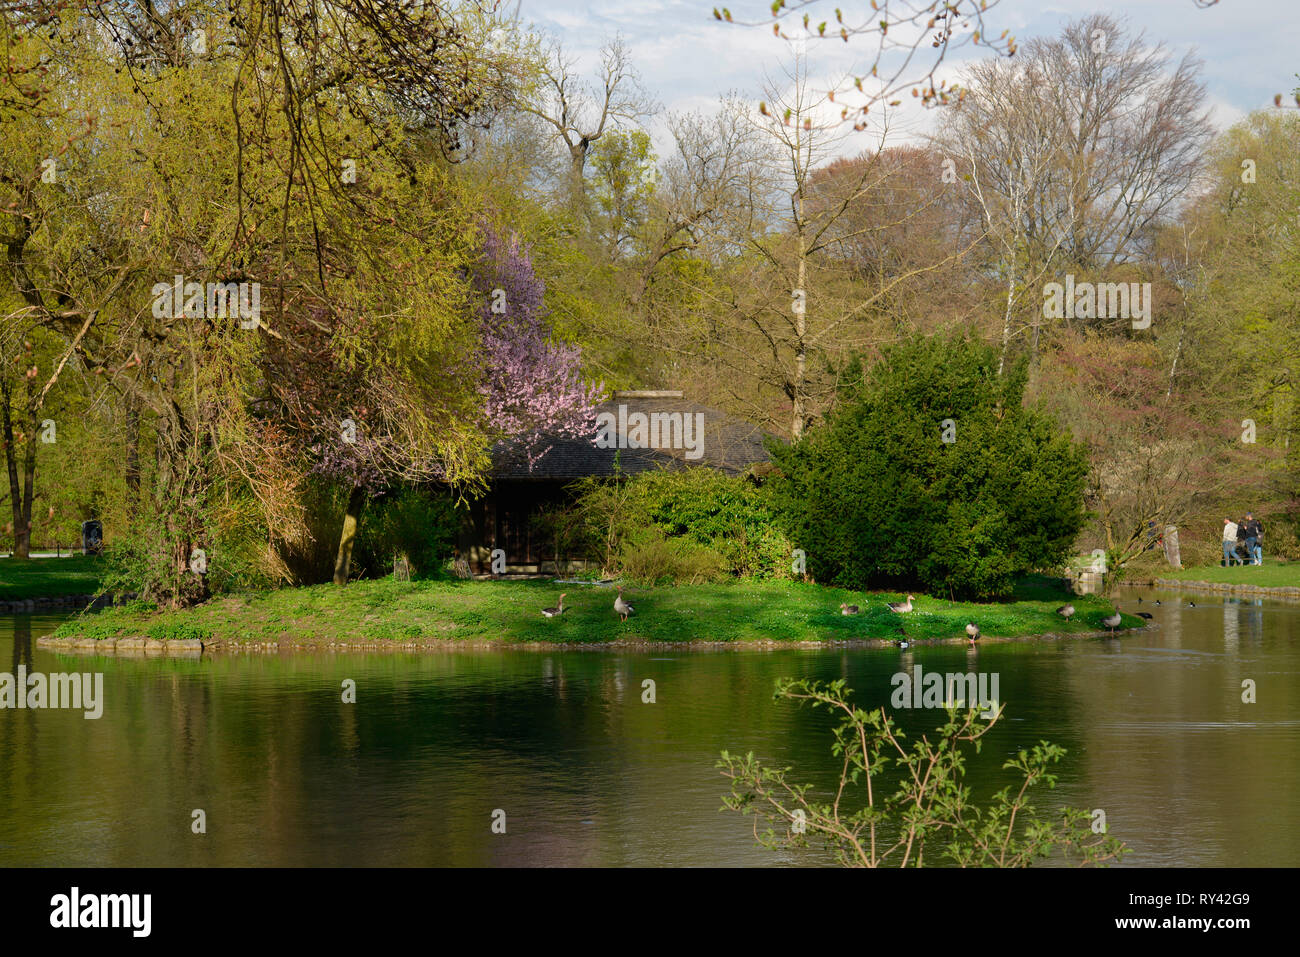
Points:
(1006, 320)
(23, 543)
(133, 449)
(800, 414)
(343, 560)
(11, 461)
(22, 547)
(1178, 354)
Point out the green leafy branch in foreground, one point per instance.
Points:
(930, 805)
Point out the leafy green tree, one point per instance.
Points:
(929, 810)
(622, 175)
(932, 473)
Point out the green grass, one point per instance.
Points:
(391, 611)
(49, 577)
(1272, 574)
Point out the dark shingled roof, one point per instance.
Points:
(730, 445)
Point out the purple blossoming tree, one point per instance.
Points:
(532, 388)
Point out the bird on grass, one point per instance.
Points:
(1066, 612)
(972, 632)
(621, 607)
(1112, 622)
(557, 610)
(848, 609)
(900, 607)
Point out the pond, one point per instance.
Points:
(287, 773)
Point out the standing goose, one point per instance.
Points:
(1066, 612)
(900, 607)
(621, 607)
(557, 610)
(972, 631)
(1112, 622)
(848, 609)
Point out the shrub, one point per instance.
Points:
(144, 558)
(650, 558)
(877, 498)
(418, 525)
(729, 516)
(918, 809)
(566, 534)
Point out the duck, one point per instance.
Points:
(557, 610)
(900, 607)
(972, 631)
(1157, 601)
(1139, 599)
(1145, 614)
(1112, 622)
(1191, 604)
(848, 609)
(1066, 612)
(621, 607)
(904, 641)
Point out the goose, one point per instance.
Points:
(1145, 614)
(557, 610)
(848, 609)
(973, 631)
(1066, 612)
(1112, 622)
(900, 607)
(621, 607)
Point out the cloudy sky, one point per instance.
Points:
(1250, 48)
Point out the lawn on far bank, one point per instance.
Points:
(49, 577)
(1272, 574)
(510, 612)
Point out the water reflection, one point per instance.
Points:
(588, 774)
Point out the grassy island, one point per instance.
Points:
(509, 613)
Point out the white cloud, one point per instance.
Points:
(687, 59)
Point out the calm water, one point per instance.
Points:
(589, 775)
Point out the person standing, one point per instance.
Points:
(1254, 532)
(1229, 542)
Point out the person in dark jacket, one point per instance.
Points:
(1253, 532)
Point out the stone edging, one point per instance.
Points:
(193, 647)
(1291, 591)
(188, 647)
